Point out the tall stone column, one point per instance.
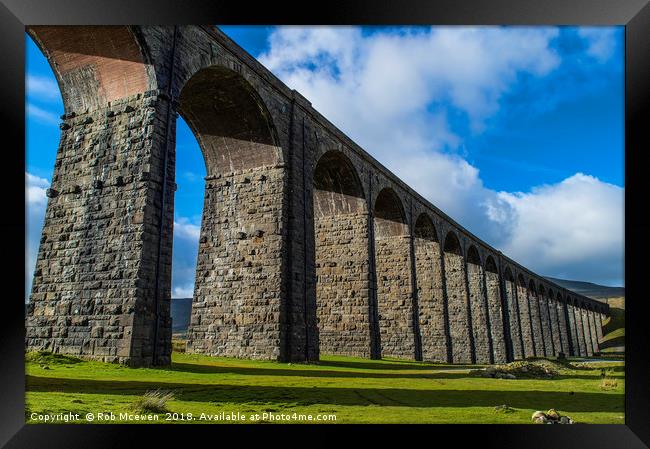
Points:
(430, 291)
(495, 311)
(555, 326)
(573, 330)
(526, 320)
(457, 299)
(101, 284)
(510, 294)
(580, 331)
(478, 308)
(584, 318)
(563, 326)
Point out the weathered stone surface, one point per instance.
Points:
(478, 308)
(495, 312)
(457, 298)
(516, 339)
(546, 325)
(536, 321)
(525, 319)
(430, 291)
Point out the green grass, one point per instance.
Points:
(355, 390)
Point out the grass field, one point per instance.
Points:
(354, 390)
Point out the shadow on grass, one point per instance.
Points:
(390, 365)
(303, 396)
(250, 371)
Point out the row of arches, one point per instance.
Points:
(389, 288)
(389, 281)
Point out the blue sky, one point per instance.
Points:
(515, 132)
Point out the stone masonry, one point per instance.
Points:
(308, 245)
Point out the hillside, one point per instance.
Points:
(614, 328)
(181, 309)
(595, 291)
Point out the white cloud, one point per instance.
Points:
(600, 41)
(42, 88)
(183, 291)
(392, 92)
(35, 202)
(42, 115)
(184, 229)
(571, 229)
(185, 251)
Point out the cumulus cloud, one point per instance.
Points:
(185, 251)
(570, 229)
(392, 91)
(600, 41)
(36, 202)
(41, 115)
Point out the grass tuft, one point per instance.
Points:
(153, 402)
(608, 384)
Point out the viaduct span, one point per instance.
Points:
(308, 245)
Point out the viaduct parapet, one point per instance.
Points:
(308, 245)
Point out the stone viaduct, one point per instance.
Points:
(308, 245)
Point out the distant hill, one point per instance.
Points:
(595, 291)
(181, 309)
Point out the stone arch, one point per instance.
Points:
(496, 311)
(430, 291)
(230, 121)
(512, 305)
(341, 257)
(460, 329)
(393, 276)
(238, 300)
(389, 216)
(95, 65)
(480, 318)
(536, 319)
(525, 315)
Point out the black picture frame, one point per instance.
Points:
(633, 14)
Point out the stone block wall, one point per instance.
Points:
(549, 344)
(479, 313)
(94, 285)
(599, 326)
(394, 296)
(580, 333)
(459, 327)
(571, 329)
(564, 328)
(342, 291)
(495, 312)
(238, 291)
(432, 312)
(526, 322)
(556, 337)
(510, 291)
(536, 323)
(584, 317)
